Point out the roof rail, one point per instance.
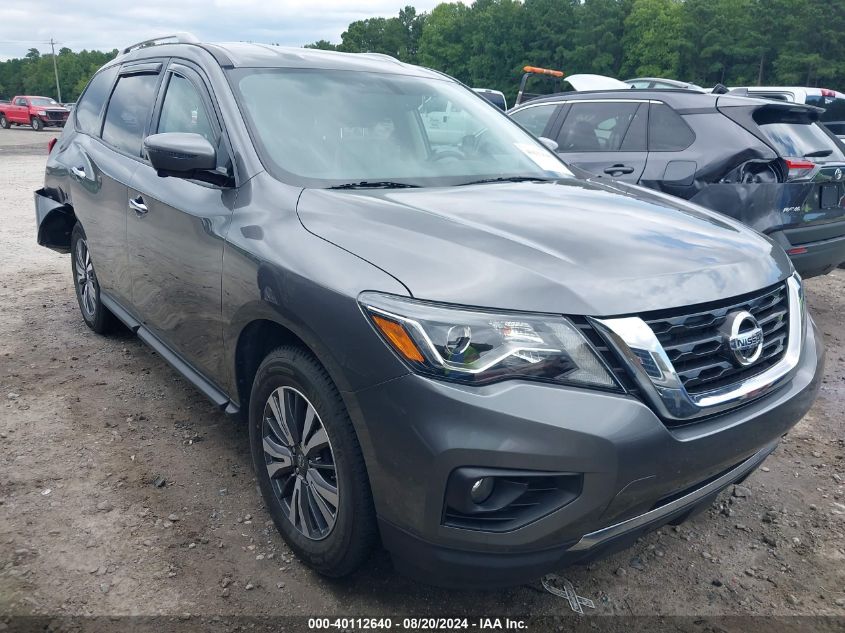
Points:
(384, 56)
(176, 38)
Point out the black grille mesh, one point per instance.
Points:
(694, 345)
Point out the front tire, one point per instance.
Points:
(309, 464)
(95, 314)
(37, 124)
(4, 122)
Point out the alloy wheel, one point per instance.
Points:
(300, 463)
(86, 280)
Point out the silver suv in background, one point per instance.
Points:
(766, 163)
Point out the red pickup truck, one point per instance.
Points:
(39, 112)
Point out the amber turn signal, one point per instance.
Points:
(399, 338)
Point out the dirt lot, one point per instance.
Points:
(87, 424)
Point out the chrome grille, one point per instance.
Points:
(696, 348)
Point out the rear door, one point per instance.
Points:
(606, 137)
(175, 232)
(100, 163)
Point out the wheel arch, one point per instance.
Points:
(260, 336)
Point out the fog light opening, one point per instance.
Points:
(482, 489)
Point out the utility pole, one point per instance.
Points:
(56, 69)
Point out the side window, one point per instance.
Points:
(535, 119)
(90, 104)
(128, 111)
(595, 127)
(21, 102)
(183, 110)
(667, 131)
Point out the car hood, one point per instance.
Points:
(572, 247)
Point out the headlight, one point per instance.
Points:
(41, 112)
(480, 347)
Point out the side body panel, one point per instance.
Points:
(97, 181)
(175, 252)
(17, 113)
(720, 145)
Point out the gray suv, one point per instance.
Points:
(449, 345)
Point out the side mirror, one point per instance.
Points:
(552, 145)
(180, 154)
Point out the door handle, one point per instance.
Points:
(618, 170)
(79, 172)
(138, 206)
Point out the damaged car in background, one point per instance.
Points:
(769, 164)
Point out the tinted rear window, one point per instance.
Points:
(91, 102)
(795, 139)
(129, 111)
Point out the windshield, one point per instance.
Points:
(324, 128)
(43, 101)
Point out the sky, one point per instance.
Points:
(109, 24)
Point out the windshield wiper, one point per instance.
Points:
(509, 179)
(376, 184)
(819, 153)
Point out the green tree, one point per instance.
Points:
(595, 45)
(323, 45)
(443, 43)
(652, 38)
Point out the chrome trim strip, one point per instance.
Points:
(598, 537)
(667, 393)
(564, 101)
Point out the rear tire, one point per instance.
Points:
(95, 314)
(37, 124)
(309, 464)
(4, 122)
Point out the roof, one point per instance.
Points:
(679, 99)
(246, 55)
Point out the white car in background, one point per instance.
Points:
(831, 101)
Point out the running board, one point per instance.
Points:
(191, 375)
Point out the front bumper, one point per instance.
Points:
(638, 474)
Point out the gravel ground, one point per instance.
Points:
(88, 424)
